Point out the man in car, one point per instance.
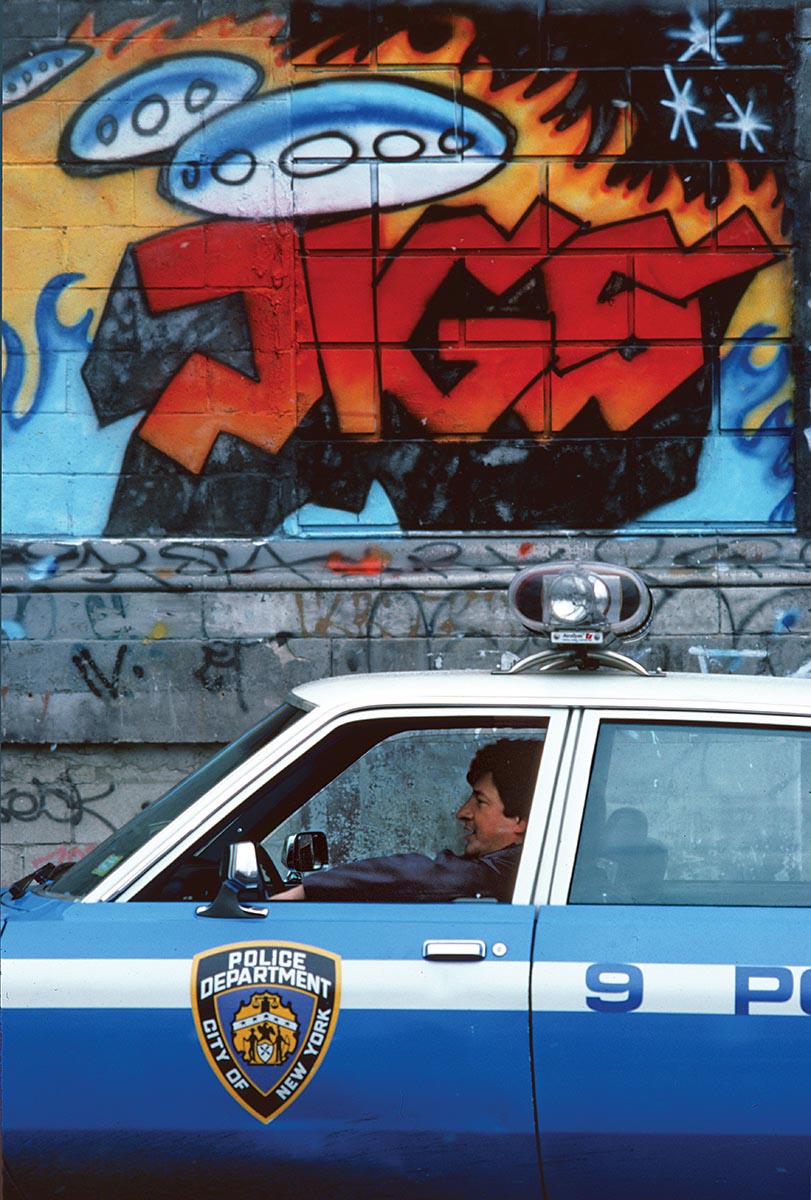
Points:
(494, 816)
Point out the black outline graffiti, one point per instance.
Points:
(30, 804)
(84, 663)
(221, 656)
(179, 565)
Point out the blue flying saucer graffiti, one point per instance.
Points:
(141, 117)
(310, 150)
(36, 73)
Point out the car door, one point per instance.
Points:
(671, 980)
(400, 1065)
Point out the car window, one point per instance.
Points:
(400, 795)
(374, 787)
(86, 874)
(703, 814)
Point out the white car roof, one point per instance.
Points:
(602, 689)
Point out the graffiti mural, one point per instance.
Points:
(469, 267)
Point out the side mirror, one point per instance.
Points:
(240, 865)
(307, 851)
(240, 873)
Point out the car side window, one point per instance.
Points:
(400, 795)
(703, 814)
(374, 787)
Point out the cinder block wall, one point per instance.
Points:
(283, 400)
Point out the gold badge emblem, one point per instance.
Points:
(265, 1030)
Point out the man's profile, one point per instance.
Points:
(494, 817)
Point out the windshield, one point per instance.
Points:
(88, 873)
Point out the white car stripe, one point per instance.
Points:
(401, 984)
(693, 988)
(165, 983)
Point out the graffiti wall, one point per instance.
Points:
(334, 268)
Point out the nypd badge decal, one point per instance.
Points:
(265, 1013)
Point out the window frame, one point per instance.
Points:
(224, 800)
(570, 800)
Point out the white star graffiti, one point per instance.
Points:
(705, 38)
(746, 123)
(682, 108)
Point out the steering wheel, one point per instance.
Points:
(267, 869)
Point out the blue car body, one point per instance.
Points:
(577, 1042)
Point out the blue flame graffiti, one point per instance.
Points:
(15, 364)
(743, 476)
(53, 340)
(745, 385)
(60, 467)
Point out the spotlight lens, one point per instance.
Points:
(576, 598)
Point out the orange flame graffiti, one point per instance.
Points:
(581, 190)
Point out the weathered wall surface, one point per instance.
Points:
(59, 802)
(320, 320)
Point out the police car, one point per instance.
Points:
(635, 1022)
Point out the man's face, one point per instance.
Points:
(487, 826)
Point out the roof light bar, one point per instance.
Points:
(579, 604)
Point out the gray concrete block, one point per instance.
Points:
(772, 612)
(481, 654)
(115, 663)
(32, 616)
(173, 565)
(802, 95)
(252, 614)
(181, 691)
(686, 610)
(403, 654)
(385, 654)
(12, 863)
(803, 22)
(105, 616)
(359, 613)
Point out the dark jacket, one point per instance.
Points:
(410, 877)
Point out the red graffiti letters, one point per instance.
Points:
(258, 260)
(457, 336)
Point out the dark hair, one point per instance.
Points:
(513, 764)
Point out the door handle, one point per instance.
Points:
(455, 949)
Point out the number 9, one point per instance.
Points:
(622, 980)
